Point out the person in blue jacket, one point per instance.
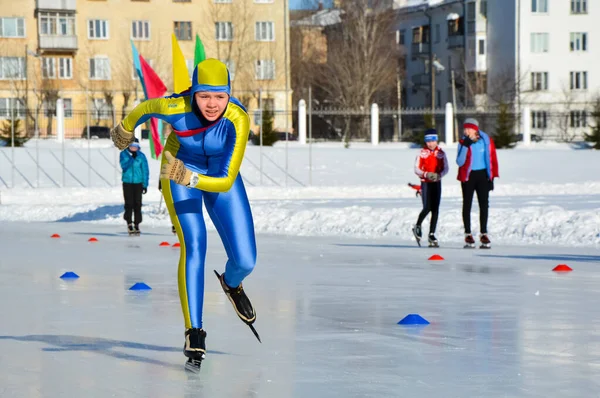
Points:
(135, 183)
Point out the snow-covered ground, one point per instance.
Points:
(502, 324)
(547, 193)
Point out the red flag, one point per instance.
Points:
(155, 88)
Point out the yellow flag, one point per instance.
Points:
(181, 76)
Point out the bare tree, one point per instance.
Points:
(361, 57)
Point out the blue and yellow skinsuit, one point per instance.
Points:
(214, 150)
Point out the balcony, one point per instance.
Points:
(456, 41)
(56, 5)
(58, 43)
(419, 50)
(420, 81)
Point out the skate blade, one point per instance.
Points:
(255, 333)
(193, 366)
(417, 238)
(485, 246)
(469, 246)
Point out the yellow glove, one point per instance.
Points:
(175, 170)
(121, 137)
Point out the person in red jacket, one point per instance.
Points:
(478, 166)
(431, 165)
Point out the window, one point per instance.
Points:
(100, 68)
(12, 27)
(267, 104)
(265, 69)
(223, 31)
(134, 75)
(578, 119)
(481, 46)
(539, 81)
(263, 1)
(140, 30)
(98, 29)
(471, 16)
(56, 24)
(579, 7)
(183, 30)
(65, 68)
(222, 1)
(539, 42)
(402, 37)
(231, 67)
(10, 105)
(101, 110)
(579, 81)
(539, 119)
(51, 110)
(483, 8)
(265, 31)
(539, 6)
(578, 41)
(12, 68)
(48, 68)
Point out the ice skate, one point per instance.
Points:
(417, 233)
(131, 229)
(241, 303)
(194, 348)
(469, 241)
(137, 230)
(433, 242)
(485, 242)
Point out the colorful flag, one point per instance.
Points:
(199, 54)
(153, 87)
(181, 76)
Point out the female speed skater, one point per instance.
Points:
(201, 163)
(431, 165)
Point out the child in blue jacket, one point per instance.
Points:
(135, 183)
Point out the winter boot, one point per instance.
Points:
(469, 241)
(485, 242)
(194, 348)
(433, 242)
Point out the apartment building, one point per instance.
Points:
(533, 53)
(549, 51)
(81, 50)
(451, 34)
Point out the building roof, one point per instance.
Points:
(320, 18)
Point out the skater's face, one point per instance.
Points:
(211, 104)
(472, 134)
(432, 144)
(133, 148)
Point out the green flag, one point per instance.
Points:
(199, 54)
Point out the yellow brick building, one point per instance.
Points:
(80, 51)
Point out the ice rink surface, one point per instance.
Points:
(502, 323)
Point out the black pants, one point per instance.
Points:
(431, 194)
(132, 193)
(478, 182)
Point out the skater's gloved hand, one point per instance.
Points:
(134, 154)
(144, 191)
(432, 176)
(466, 141)
(121, 137)
(491, 185)
(175, 170)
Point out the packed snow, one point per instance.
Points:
(547, 194)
